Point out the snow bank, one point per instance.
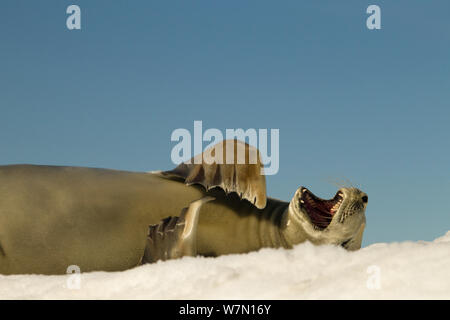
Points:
(407, 270)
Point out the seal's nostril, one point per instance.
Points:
(365, 199)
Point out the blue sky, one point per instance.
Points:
(368, 106)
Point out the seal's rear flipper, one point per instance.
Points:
(174, 237)
(232, 165)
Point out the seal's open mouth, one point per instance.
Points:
(320, 211)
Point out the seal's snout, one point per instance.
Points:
(365, 198)
(356, 195)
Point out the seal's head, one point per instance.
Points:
(339, 220)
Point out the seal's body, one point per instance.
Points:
(97, 219)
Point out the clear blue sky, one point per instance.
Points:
(369, 106)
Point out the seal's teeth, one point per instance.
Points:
(335, 207)
(301, 201)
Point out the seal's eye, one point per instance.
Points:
(365, 199)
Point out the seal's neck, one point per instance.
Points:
(291, 228)
(267, 223)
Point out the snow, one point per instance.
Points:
(406, 270)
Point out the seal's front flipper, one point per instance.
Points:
(174, 237)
